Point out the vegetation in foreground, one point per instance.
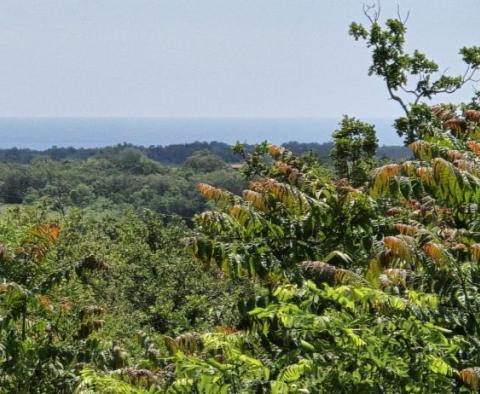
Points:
(305, 282)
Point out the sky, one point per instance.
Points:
(209, 58)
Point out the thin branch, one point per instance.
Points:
(466, 72)
(367, 8)
(469, 78)
(419, 96)
(379, 10)
(366, 11)
(399, 15)
(408, 90)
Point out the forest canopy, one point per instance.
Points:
(121, 272)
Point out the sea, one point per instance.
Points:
(41, 133)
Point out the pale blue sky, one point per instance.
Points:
(247, 58)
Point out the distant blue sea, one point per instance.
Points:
(43, 133)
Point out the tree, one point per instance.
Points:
(391, 306)
(412, 79)
(205, 161)
(46, 317)
(355, 144)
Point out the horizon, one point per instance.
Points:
(44, 132)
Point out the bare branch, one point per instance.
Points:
(467, 77)
(399, 15)
(366, 11)
(367, 8)
(409, 91)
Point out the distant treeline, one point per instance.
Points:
(177, 153)
(323, 150)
